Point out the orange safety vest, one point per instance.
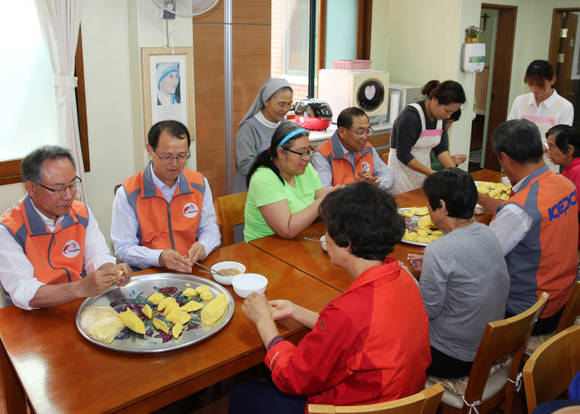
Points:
(57, 257)
(546, 258)
(343, 172)
(165, 225)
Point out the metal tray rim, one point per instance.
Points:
(150, 278)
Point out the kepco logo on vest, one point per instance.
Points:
(190, 210)
(365, 166)
(562, 206)
(71, 249)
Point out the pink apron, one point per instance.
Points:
(407, 179)
(544, 123)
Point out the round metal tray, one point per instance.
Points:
(407, 222)
(141, 287)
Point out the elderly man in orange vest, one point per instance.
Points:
(164, 215)
(537, 227)
(51, 248)
(347, 157)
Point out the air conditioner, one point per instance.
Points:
(366, 89)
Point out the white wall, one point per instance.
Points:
(420, 40)
(113, 32)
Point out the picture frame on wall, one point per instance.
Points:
(167, 85)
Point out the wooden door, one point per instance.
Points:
(561, 56)
(502, 73)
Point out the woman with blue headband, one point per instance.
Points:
(284, 190)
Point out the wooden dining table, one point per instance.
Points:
(305, 251)
(45, 360)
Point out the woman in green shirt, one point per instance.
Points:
(284, 190)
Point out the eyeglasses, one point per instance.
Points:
(303, 155)
(182, 157)
(363, 133)
(284, 105)
(61, 189)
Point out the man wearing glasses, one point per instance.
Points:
(347, 157)
(164, 215)
(51, 248)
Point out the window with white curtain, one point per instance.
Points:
(27, 108)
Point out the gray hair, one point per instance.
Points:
(520, 139)
(31, 166)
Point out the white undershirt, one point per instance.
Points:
(511, 223)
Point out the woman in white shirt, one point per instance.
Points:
(543, 106)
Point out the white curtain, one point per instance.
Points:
(60, 22)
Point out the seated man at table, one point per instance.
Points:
(164, 215)
(51, 248)
(464, 278)
(347, 157)
(537, 226)
(370, 344)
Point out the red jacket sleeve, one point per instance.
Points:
(320, 360)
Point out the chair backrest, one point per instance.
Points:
(550, 369)
(571, 310)
(424, 402)
(502, 338)
(230, 212)
(385, 155)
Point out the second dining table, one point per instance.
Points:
(305, 252)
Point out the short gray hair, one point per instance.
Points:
(31, 166)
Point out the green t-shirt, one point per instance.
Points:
(266, 188)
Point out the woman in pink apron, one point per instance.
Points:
(418, 129)
(543, 106)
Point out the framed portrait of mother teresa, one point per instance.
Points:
(167, 85)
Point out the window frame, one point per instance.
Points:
(10, 169)
(287, 51)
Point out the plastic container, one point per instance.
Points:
(355, 64)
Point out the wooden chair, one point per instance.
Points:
(424, 402)
(550, 369)
(571, 310)
(385, 155)
(230, 212)
(501, 339)
(569, 315)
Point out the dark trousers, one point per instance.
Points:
(264, 397)
(445, 366)
(545, 325)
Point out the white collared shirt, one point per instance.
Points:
(511, 223)
(17, 273)
(124, 226)
(526, 105)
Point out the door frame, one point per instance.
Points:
(555, 41)
(501, 77)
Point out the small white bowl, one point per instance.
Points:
(226, 280)
(323, 242)
(248, 283)
(479, 209)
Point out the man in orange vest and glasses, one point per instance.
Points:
(164, 215)
(347, 157)
(51, 248)
(537, 227)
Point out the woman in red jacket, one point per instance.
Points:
(370, 344)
